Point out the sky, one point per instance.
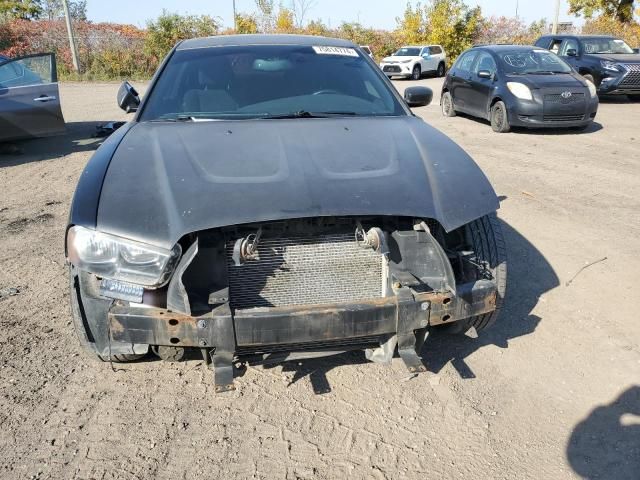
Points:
(370, 13)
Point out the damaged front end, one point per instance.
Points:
(294, 289)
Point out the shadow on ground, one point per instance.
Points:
(607, 443)
(530, 276)
(80, 137)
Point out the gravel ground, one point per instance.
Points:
(551, 392)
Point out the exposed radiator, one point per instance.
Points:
(299, 270)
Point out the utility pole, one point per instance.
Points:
(235, 18)
(555, 18)
(517, 5)
(72, 40)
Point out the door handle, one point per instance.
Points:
(44, 98)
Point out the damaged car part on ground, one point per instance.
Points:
(314, 216)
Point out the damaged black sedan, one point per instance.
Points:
(275, 198)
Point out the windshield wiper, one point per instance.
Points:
(307, 114)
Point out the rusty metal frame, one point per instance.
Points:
(406, 314)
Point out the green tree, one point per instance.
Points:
(246, 23)
(170, 28)
(22, 9)
(621, 10)
(317, 27)
(452, 24)
(411, 26)
(285, 21)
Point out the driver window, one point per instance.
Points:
(568, 45)
(555, 46)
(485, 62)
(27, 71)
(465, 61)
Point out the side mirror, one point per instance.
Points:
(572, 52)
(128, 98)
(485, 74)
(418, 96)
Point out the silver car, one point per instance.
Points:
(29, 97)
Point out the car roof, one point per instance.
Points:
(504, 47)
(571, 35)
(239, 40)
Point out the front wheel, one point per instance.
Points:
(441, 70)
(483, 238)
(416, 73)
(499, 118)
(447, 105)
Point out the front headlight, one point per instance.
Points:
(119, 258)
(520, 90)
(608, 65)
(592, 88)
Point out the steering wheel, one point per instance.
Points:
(326, 91)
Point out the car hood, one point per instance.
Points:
(166, 180)
(394, 59)
(622, 58)
(562, 80)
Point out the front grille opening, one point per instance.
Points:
(563, 118)
(307, 261)
(632, 78)
(299, 269)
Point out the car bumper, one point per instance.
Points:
(537, 115)
(258, 329)
(627, 83)
(225, 335)
(396, 70)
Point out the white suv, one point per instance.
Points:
(413, 61)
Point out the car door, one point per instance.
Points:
(461, 81)
(481, 89)
(429, 60)
(29, 98)
(567, 45)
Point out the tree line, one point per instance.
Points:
(114, 51)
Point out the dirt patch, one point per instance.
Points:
(21, 224)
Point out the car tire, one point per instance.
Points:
(441, 70)
(416, 73)
(500, 118)
(78, 324)
(485, 237)
(446, 103)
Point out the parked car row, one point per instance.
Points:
(554, 84)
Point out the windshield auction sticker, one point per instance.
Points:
(349, 52)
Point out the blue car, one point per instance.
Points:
(518, 86)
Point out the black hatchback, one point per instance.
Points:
(518, 86)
